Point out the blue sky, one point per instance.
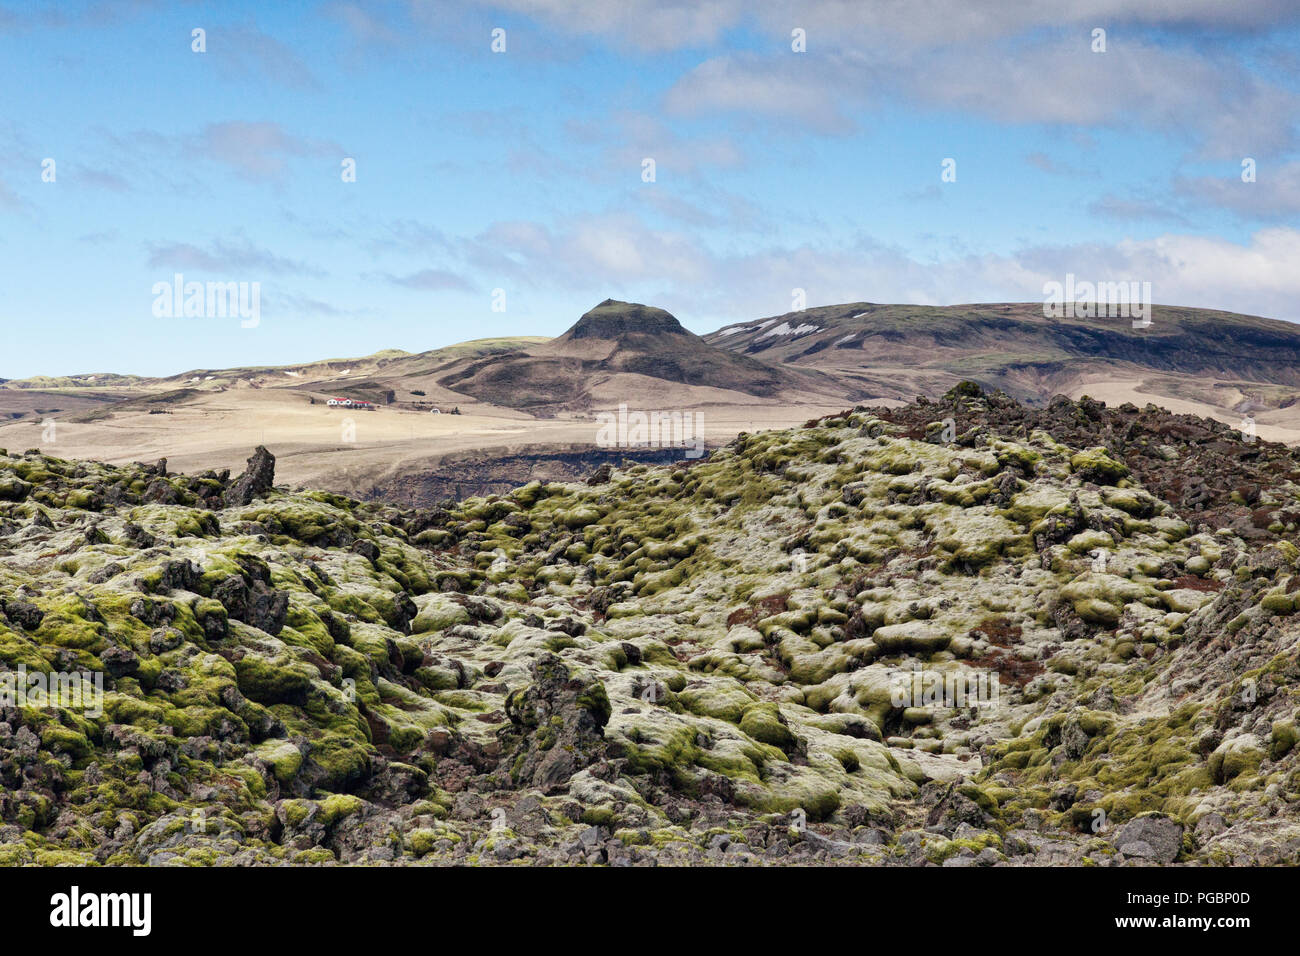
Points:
(522, 170)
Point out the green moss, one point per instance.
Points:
(1096, 465)
(343, 760)
(937, 850)
(1278, 603)
(1282, 739)
(421, 841)
(599, 817)
(438, 612)
(273, 681)
(594, 698)
(296, 812)
(337, 806)
(1236, 758)
(282, 757)
(724, 700)
(763, 722)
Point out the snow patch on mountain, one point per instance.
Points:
(786, 329)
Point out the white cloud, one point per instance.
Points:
(1026, 62)
(1135, 85)
(1274, 194)
(710, 288)
(651, 25)
(431, 280)
(643, 137)
(909, 25)
(251, 54)
(236, 256)
(811, 91)
(1134, 209)
(618, 249)
(900, 25)
(1197, 270)
(257, 151)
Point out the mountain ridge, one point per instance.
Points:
(1016, 347)
(532, 391)
(613, 339)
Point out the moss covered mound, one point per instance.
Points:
(957, 633)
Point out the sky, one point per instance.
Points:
(925, 151)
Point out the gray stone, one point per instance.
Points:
(1210, 826)
(1162, 837)
(1138, 848)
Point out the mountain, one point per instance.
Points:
(1199, 360)
(617, 352)
(526, 408)
(628, 324)
(963, 631)
(532, 408)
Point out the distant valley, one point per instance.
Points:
(486, 415)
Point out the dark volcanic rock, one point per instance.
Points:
(258, 478)
(253, 602)
(1152, 837)
(23, 613)
(561, 722)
